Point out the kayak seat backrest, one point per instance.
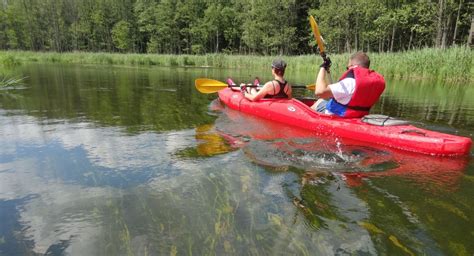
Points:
(307, 101)
(383, 120)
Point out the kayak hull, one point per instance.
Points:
(296, 113)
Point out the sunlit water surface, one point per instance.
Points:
(99, 160)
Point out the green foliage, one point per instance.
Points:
(9, 61)
(267, 30)
(264, 27)
(120, 36)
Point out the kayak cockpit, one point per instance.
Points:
(307, 101)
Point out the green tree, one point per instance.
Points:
(3, 29)
(333, 20)
(15, 29)
(232, 26)
(187, 16)
(121, 36)
(267, 28)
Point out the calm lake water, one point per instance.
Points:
(101, 160)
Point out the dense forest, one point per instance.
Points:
(232, 26)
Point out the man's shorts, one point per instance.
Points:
(321, 107)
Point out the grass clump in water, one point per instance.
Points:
(11, 82)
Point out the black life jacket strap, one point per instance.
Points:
(357, 108)
(281, 94)
(282, 86)
(280, 83)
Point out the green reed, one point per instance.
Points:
(453, 65)
(10, 81)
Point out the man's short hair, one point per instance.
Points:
(360, 58)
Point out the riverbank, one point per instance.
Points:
(450, 65)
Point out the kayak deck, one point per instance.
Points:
(298, 113)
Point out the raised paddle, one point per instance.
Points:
(317, 36)
(319, 40)
(205, 85)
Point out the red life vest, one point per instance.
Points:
(369, 86)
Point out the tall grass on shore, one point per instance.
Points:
(451, 65)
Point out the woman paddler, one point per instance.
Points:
(276, 88)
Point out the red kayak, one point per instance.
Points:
(298, 113)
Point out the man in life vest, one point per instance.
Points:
(357, 91)
(277, 88)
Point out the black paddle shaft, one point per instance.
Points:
(259, 85)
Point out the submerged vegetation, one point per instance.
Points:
(10, 81)
(453, 64)
(151, 168)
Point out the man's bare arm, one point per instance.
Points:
(322, 89)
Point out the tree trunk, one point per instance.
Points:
(348, 36)
(348, 45)
(30, 27)
(56, 30)
(457, 22)
(439, 30)
(356, 41)
(188, 44)
(217, 41)
(392, 41)
(445, 32)
(471, 31)
(411, 40)
(401, 44)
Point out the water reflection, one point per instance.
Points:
(431, 103)
(214, 205)
(210, 143)
(113, 160)
(330, 168)
(137, 99)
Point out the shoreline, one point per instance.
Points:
(449, 65)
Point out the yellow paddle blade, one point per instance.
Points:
(316, 33)
(311, 87)
(205, 85)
